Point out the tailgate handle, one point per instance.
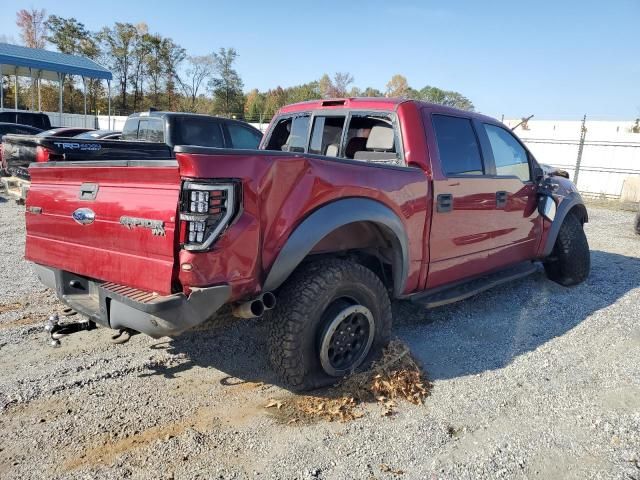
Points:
(88, 191)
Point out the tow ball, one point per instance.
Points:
(56, 330)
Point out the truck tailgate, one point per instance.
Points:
(131, 240)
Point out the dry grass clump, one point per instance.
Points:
(395, 376)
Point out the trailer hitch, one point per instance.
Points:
(56, 330)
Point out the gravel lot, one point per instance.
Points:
(529, 381)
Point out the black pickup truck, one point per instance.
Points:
(147, 135)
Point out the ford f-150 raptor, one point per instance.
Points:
(348, 204)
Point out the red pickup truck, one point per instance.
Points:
(347, 204)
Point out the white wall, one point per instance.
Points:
(610, 157)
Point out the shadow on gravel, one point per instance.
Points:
(485, 332)
(488, 331)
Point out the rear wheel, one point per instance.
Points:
(332, 317)
(570, 260)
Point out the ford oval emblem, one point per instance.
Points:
(84, 216)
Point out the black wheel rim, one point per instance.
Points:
(347, 338)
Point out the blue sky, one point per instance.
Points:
(555, 59)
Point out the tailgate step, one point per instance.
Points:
(443, 296)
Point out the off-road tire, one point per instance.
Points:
(636, 223)
(297, 323)
(570, 260)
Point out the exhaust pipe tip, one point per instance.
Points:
(251, 309)
(256, 307)
(268, 300)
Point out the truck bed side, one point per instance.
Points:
(279, 190)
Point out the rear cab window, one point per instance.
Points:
(151, 130)
(290, 133)
(458, 146)
(364, 136)
(130, 129)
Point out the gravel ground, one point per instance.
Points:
(532, 380)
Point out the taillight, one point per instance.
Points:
(206, 209)
(42, 154)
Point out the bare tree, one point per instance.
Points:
(341, 82)
(199, 70)
(33, 28)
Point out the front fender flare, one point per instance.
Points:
(327, 219)
(564, 208)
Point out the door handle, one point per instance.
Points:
(444, 203)
(501, 199)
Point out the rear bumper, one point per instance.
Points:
(117, 306)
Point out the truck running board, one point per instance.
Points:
(450, 294)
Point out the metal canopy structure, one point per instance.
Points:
(39, 64)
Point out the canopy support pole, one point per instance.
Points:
(15, 91)
(109, 101)
(60, 78)
(84, 91)
(1, 90)
(39, 92)
(33, 98)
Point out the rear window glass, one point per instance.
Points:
(457, 145)
(151, 130)
(199, 131)
(130, 129)
(243, 137)
(290, 134)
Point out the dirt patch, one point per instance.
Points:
(10, 307)
(20, 322)
(106, 450)
(397, 376)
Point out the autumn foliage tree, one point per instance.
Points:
(33, 28)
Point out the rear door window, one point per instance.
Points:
(326, 135)
(200, 131)
(243, 137)
(371, 138)
(510, 156)
(457, 145)
(290, 134)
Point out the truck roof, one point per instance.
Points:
(373, 103)
(164, 114)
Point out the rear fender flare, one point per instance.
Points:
(327, 219)
(564, 207)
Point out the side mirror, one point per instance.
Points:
(538, 174)
(547, 207)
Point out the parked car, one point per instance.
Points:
(64, 132)
(100, 135)
(13, 128)
(348, 204)
(35, 119)
(162, 129)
